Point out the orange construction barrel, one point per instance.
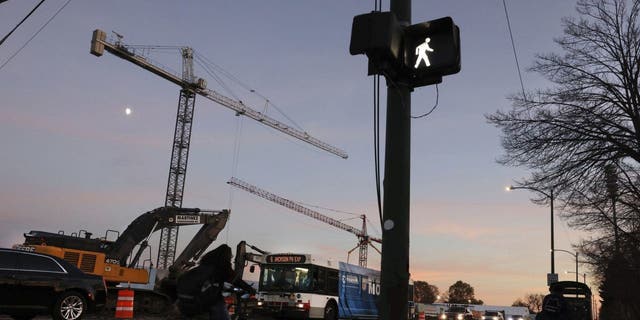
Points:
(230, 302)
(124, 305)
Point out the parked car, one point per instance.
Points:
(457, 313)
(33, 283)
(492, 315)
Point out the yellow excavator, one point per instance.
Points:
(116, 262)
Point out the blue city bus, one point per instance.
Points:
(302, 286)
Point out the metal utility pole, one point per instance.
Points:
(612, 189)
(409, 56)
(553, 248)
(395, 211)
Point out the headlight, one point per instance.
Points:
(260, 303)
(495, 318)
(444, 316)
(460, 317)
(300, 305)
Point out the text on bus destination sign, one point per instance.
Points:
(286, 258)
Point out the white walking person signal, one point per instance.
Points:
(421, 52)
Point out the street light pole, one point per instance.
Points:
(584, 276)
(553, 256)
(551, 197)
(576, 256)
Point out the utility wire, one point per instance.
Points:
(433, 108)
(376, 141)
(376, 129)
(513, 45)
(20, 23)
(35, 34)
(212, 67)
(375, 228)
(328, 209)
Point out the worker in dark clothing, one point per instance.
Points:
(554, 306)
(200, 289)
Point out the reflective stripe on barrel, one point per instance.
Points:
(124, 305)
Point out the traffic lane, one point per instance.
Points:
(95, 317)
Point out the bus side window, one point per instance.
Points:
(321, 285)
(332, 282)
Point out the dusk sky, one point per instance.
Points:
(73, 160)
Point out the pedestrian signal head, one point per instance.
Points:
(431, 50)
(416, 55)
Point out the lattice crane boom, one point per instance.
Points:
(190, 87)
(199, 86)
(364, 240)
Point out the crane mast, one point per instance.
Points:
(179, 160)
(190, 87)
(364, 240)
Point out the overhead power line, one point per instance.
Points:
(20, 23)
(35, 34)
(513, 45)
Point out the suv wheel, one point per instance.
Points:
(70, 305)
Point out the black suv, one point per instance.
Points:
(33, 283)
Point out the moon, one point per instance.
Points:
(127, 111)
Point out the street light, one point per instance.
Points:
(584, 275)
(576, 256)
(550, 196)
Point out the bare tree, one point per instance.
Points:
(533, 301)
(581, 136)
(587, 120)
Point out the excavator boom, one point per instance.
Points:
(114, 254)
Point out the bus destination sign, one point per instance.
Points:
(286, 258)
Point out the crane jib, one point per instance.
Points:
(99, 44)
(363, 239)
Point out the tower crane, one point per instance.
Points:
(364, 240)
(190, 87)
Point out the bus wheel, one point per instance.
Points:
(331, 311)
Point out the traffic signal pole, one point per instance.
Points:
(395, 235)
(409, 56)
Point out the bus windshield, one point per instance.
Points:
(285, 278)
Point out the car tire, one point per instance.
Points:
(331, 311)
(70, 305)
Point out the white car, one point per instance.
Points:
(492, 315)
